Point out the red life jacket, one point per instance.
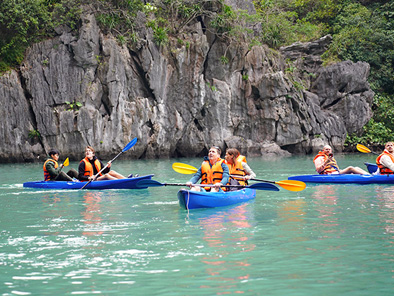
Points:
(383, 169)
(330, 167)
(47, 176)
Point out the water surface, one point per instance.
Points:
(325, 240)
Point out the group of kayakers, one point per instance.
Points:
(89, 167)
(325, 162)
(214, 171)
(233, 170)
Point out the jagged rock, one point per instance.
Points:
(179, 99)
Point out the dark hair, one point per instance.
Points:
(53, 152)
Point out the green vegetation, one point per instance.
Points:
(73, 106)
(24, 22)
(34, 134)
(361, 30)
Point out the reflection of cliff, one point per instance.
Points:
(227, 233)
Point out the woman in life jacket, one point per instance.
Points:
(325, 163)
(91, 165)
(213, 170)
(240, 172)
(385, 161)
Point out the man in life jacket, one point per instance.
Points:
(240, 172)
(213, 170)
(325, 163)
(52, 170)
(385, 161)
(90, 166)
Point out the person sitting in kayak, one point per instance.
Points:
(213, 170)
(240, 172)
(325, 163)
(385, 161)
(52, 170)
(91, 165)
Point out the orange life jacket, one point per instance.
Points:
(330, 167)
(383, 169)
(211, 175)
(89, 168)
(47, 176)
(241, 158)
(237, 169)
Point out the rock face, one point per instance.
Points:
(177, 99)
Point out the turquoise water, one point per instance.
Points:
(325, 240)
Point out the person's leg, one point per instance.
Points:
(353, 170)
(72, 173)
(116, 175)
(63, 177)
(106, 177)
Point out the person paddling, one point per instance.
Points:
(240, 172)
(91, 165)
(325, 163)
(52, 170)
(213, 170)
(385, 160)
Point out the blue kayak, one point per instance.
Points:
(194, 200)
(128, 183)
(372, 167)
(345, 179)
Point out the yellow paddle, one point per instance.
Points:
(364, 149)
(66, 162)
(290, 185)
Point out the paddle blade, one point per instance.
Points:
(263, 186)
(130, 144)
(66, 162)
(291, 185)
(362, 148)
(183, 168)
(149, 183)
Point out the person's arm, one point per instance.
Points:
(250, 174)
(320, 164)
(226, 174)
(81, 172)
(195, 177)
(107, 169)
(386, 162)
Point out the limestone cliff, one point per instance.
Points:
(177, 99)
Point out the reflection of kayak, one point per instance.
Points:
(194, 200)
(128, 183)
(346, 178)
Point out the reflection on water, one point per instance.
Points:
(227, 234)
(386, 197)
(325, 200)
(325, 240)
(92, 213)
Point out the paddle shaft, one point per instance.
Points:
(202, 185)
